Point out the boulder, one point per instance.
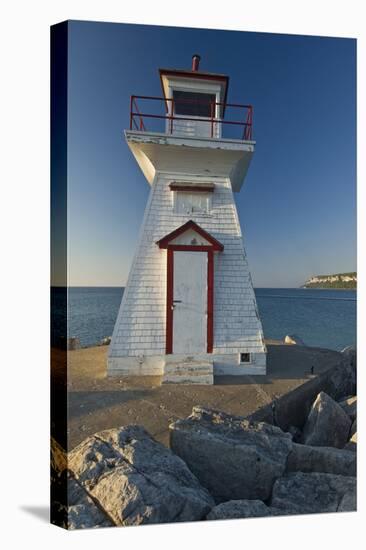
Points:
(304, 458)
(352, 444)
(137, 480)
(327, 424)
(315, 492)
(349, 405)
(292, 408)
(235, 509)
(58, 457)
(105, 341)
(295, 433)
(83, 513)
(58, 508)
(71, 506)
(294, 339)
(344, 380)
(73, 343)
(350, 355)
(353, 428)
(348, 502)
(231, 456)
(58, 487)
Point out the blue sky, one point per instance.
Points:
(298, 205)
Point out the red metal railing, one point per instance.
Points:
(137, 118)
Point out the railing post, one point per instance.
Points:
(251, 123)
(212, 113)
(171, 115)
(131, 103)
(247, 134)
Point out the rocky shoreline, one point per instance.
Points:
(275, 462)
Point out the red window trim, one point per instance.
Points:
(194, 189)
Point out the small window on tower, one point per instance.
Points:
(192, 203)
(245, 358)
(193, 103)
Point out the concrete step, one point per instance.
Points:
(192, 372)
(189, 366)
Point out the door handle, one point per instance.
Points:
(177, 301)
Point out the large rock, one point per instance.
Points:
(350, 355)
(58, 487)
(327, 424)
(231, 456)
(83, 513)
(71, 506)
(348, 502)
(137, 480)
(235, 509)
(58, 457)
(292, 408)
(353, 428)
(352, 444)
(314, 493)
(294, 339)
(349, 405)
(73, 343)
(105, 341)
(304, 458)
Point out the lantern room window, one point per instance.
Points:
(193, 104)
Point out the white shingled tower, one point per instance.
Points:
(188, 311)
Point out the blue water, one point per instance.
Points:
(323, 318)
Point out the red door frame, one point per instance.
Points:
(170, 293)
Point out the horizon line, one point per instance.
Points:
(301, 287)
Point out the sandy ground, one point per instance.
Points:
(97, 402)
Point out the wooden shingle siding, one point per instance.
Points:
(141, 324)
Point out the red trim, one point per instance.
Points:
(194, 74)
(169, 302)
(177, 187)
(164, 242)
(210, 295)
(170, 296)
(189, 247)
(247, 124)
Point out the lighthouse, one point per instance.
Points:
(189, 311)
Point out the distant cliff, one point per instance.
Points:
(339, 280)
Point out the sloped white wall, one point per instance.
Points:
(140, 326)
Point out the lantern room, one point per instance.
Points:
(195, 101)
(193, 105)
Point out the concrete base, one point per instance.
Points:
(191, 372)
(188, 369)
(229, 365)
